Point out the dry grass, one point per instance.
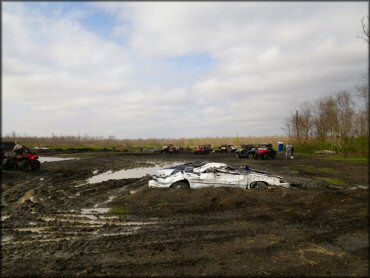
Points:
(93, 142)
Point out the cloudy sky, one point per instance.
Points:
(173, 69)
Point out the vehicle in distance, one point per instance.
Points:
(247, 151)
(169, 148)
(265, 151)
(25, 162)
(203, 149)
(226, 149)
(212, 174)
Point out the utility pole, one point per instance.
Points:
(296, 125)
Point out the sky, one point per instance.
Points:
(173, 69)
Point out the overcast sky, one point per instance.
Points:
(173, 69)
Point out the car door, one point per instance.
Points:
(229, 178)
(201, 179)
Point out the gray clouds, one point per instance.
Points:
(174, 69)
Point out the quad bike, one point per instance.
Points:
(170, 149)
(226, 149)
(166, 149)
(27, 161)
(203, 149)
(265, 151)
(222, 149)
(248, 151)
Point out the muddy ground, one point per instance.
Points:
(54, 223)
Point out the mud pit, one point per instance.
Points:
(55, 223)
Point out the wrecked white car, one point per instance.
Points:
(203, 174)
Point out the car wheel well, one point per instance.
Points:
(258, 184)
(181, 184)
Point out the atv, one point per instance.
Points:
(248, 151)
(170, 149)
(25, 162)
(265, 151)
(226, 149)
(203, 149)
(167, 149)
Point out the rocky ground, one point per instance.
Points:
(55, 223)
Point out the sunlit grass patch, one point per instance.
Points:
(348, 158)
(117, 211)
(333, 181)
(120, 204)
(125, 196)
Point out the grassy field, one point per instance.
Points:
(65, 142)
(354, 150)
(349, 158)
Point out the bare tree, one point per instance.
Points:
(346, 116)
(305, 121)
(289, 126)
(363, 94)
(298, 125)
(334, 119)
(362, 117)
(326, 120)
(365, 29)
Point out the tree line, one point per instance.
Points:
(339, 121)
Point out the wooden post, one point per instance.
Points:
(296, 125)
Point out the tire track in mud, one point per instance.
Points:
(64, 230)
(49, 195)
(74, 222)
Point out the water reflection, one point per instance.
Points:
(53, 159)
(130, 173)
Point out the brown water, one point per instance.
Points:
(53, 159)
(130, 173)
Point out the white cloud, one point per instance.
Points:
(266, 58)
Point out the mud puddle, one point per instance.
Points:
(3, 217)
(5, 239)
(32, 229)
(130, 173)
(110, 199)
(95, 210)
(43, 159)
(94, 220)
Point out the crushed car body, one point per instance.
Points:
(211, 174)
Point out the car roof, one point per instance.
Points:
(213, 165)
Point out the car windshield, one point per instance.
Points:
(187, 167)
